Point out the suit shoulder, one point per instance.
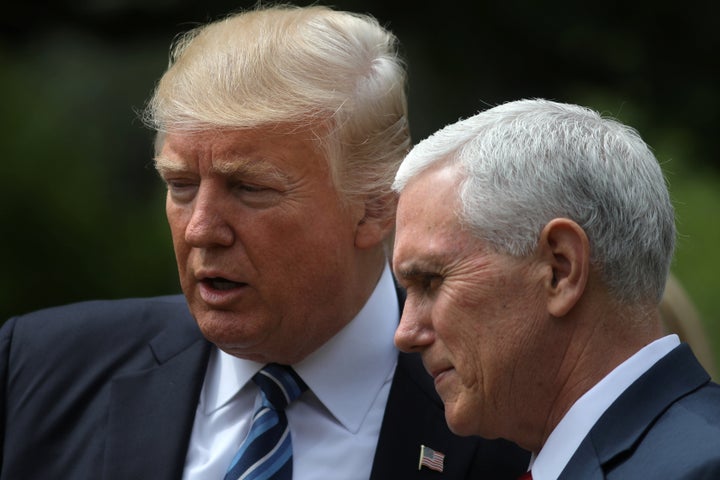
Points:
(96, 324)
(684, 442)
(698, 411)
(101, 312)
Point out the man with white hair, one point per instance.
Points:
(535, 240)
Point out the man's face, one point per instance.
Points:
(470, 311)
(264, 248)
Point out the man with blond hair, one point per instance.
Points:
(279, 133)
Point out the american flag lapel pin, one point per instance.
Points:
(431, 459)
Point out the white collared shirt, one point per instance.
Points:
(567, 436)
(334, 426)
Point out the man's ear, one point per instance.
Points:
(377, 222)
(565, 247)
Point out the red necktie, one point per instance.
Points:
(526, 476)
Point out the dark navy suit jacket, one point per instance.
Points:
(666, 425)
(108, 390)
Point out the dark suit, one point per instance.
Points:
(108, 390)
(666, 425)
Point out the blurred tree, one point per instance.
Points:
(81, 210)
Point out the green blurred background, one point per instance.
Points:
(81, 210)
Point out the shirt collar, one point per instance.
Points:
(224, 378)
(587, 410)
(361, 352)
(349, 370)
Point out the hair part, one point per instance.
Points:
(527, 162)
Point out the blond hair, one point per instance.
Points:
(337, 74)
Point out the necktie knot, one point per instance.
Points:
(279, 384)
(266, 452)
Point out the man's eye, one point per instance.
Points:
(430, 282)
(181, 189)
(246, 187)
(178, 185)
(257, 196)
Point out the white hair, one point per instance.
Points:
(527, 162)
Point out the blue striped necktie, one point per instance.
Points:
(266, 453)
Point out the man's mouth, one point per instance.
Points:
(219, 283)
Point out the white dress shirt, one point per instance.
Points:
(567, 436)
(334, 425)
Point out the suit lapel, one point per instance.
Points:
(413, 417)
(584, 464)
(622, 426)
(152, 411)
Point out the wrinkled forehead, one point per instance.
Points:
(427, 207)
(433, 188)
(308, 140)
(269, 154)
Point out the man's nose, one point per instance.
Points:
(414, 332)
(208, 225)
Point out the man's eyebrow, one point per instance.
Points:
(165, 165)
(412, 271)
(411, 274)
(252, 168)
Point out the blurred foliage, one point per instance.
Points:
(81, 210)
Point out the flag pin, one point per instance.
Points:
(431, 459)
